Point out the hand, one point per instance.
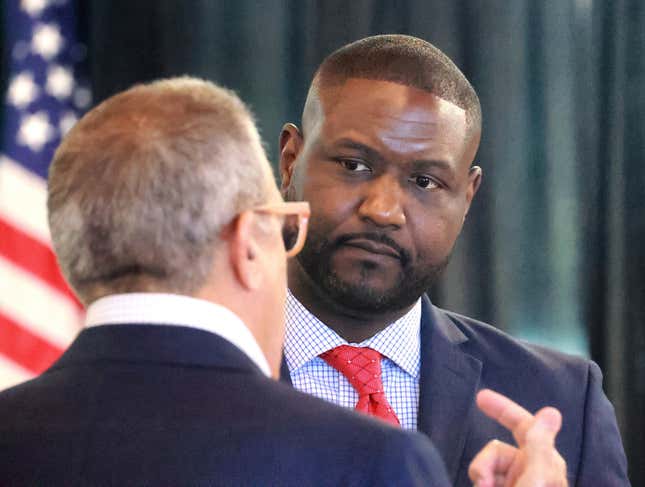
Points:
(535, 462)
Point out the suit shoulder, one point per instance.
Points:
(533, 375)
(19, 395)
(494, 345)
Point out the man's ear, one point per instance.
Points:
(244, 251)
(474, 181)
(291, 144)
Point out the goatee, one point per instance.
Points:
(358, 294)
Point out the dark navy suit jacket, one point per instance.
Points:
(167, 405)
(460, 356)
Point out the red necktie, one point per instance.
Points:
(362, 368)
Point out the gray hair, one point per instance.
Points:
(141, 187)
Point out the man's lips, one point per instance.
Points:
(373, 247)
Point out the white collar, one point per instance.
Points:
(177, 310)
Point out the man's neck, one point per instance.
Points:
(352, 325)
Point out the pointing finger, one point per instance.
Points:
(506, 412)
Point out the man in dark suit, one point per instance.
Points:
(389, 133)
(167, 222)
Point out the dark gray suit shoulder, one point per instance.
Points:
(498, 349)
(204, 421)
(534, 376)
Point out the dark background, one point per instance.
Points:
(552, 250)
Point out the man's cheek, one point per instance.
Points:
(319, 228)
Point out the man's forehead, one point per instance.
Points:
(369, 86)
(391, 117)
(385, 98)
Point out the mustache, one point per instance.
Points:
(380, 238)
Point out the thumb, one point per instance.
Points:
(543, 464)
(550, 418)
(545, 427)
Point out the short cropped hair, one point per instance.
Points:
(142, 185)
(405, 60)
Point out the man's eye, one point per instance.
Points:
(425, 182)
(353, 165)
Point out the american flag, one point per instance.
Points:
(39, 315)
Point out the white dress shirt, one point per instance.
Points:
(307, 337)
(177, 310)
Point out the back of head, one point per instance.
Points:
(400, 59)
(142, 185)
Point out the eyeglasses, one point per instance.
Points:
(294, 223)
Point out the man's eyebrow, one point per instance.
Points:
(374, 155)
(367, 151)
(421, 164)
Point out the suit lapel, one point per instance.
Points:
(448, 384)
(285, 375)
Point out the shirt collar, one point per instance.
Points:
(177, 310)
(306, 337)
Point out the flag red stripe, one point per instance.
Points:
(32, 256)
(23, 347)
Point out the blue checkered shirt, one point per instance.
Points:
(307, 337)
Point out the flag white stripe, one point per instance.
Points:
(11, 373)
(23, 199)
(37, 306)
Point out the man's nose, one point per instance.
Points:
(383, 202)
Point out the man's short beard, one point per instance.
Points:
(315, 259)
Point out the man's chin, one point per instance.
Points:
(371, 287)
(365, 297)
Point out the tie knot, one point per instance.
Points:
(362, 368)
(360, 365)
